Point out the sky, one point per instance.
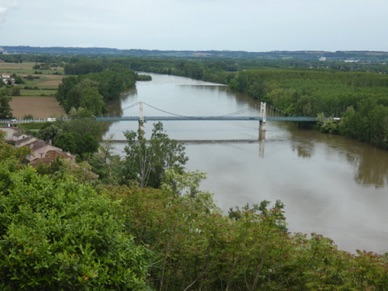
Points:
(234, 25)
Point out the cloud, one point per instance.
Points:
(5, 6)
(253, 25)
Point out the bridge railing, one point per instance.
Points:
(177, 118)
(31, 120)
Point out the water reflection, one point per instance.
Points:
(302, 150)
(370, 164)
(371, 169)
(261, 148)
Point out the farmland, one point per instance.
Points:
(37, 94)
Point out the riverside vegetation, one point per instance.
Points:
(63, 229)
(143, 224)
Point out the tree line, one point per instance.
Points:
(355, 93)
(359, 99)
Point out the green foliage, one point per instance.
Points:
(81, 66)
(28, 116)
(64, 94)
(147, 160)
(96, 84)
(49, 130)
(114, 80)
(106, 165)
(311, 92)
(61, 235)
(75, 93)
(56, 233)
(369, 123)
(328, 125)
(298, 87)
(186, 183)
(249, 84)
(18, 79)
(143, 77)
(218, 71)
(196, 247)
(7, 151)
(5, 107)
(66, 141)
(11, 91)
(78, 136)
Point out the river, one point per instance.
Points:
(330, 185)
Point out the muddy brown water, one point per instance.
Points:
(330, 185)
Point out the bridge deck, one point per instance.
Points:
(174, 118)
(200, 141)
(208, 118)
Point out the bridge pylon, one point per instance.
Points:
(141, 116)
(263, 120)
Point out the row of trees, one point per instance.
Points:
(359, 99)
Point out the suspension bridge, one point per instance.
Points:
(241, 115)
(234, 116)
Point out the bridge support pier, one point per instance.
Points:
(262, 130)
(141, 117)
(263, 115)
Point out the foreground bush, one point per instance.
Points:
(61, 235)
(196, 247)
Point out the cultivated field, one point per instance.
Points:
(37, 96)
(39, 107)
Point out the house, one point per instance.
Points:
(40, 151)
(10, 133)
(6, 78)
(50, 156)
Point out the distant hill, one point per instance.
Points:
(349, 56)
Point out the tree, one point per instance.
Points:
(182, 184)
(106, 164)
(63, 91)
(147, 160)
(90, 98)
(59, 234)
(5, 107)
(66, 141)
(93, 101)
(78, 136)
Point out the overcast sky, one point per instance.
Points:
(248, 25)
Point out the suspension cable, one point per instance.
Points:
(130, 106)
